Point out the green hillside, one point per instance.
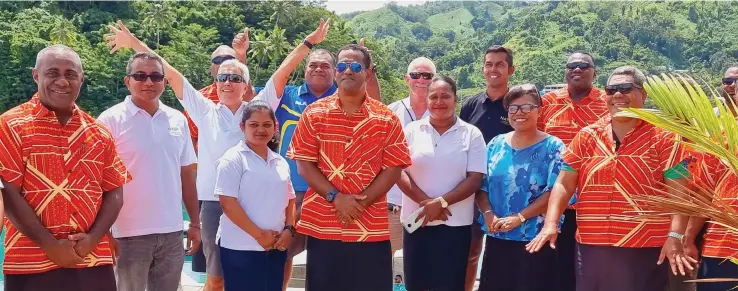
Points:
(654, 36)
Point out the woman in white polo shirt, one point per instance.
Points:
(254, 189)
(447, 168)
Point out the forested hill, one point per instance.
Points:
(699, 37)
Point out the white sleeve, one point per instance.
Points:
(290, 190)
(228, 170)
(194, 103)
(108, 121)
(188, 156)
(476, 158)
(269, 95)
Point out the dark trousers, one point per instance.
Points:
(717, 268)
(356, 266)
(605, 268)
(100, 278)
(507, 266)
(566, 246)
(435, 258)
(252, 270)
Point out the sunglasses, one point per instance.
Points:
(356, 67)
(622, 88)
(142, 77)
(525, 108)
(581, 66)
(220, 59)
(729, 81)
(418, 75)
(233, 78)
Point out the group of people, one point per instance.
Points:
(542, 183)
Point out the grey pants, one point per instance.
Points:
(150, 262)
(210, 213)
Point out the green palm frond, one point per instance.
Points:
(687, 110)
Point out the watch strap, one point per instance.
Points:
(521, 217)
(307, 44)
(331, 195)
(676, 235)
(291, 229)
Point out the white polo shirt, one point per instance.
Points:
(405, 113)
(153, 149)
(440, 163)
(263, 190)
(219, 129)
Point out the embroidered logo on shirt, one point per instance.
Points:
(175, 131)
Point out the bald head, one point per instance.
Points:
(57, 51)
(223, 50)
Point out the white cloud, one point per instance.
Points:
(348, 6)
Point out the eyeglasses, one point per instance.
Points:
(142, 77)
(356, 67)
(581, 66)
(221, 78)
(417, 75)
(729, 81)
(220, 59)
(622, 88)
(525, 108)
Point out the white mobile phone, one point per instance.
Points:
(409, 222)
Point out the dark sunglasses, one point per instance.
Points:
(729, 81)
(142, 77)
(220, 59)
(417, 75)
(622, 88)
(581, 66)
(221, 78)
(356, 67)
(525, 108)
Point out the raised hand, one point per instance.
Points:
(319, 34)
(120, 38)
(241, 42)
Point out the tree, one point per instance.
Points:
(282, 10)
(159, 16)
(63, 32)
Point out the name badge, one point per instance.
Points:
(175, 131)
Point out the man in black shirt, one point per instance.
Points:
(485, 111)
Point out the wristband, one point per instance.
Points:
(307, 44)
(195, 226)
(521, 217)
(488, 211)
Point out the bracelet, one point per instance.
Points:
(676, 235)
(488, 211)
(196, 226)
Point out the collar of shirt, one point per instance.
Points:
(409, 107)
(39, 110)
(243, 147)
(365, 109)
(304, 90)
(132, 108)
(487, 100)
(425, 124)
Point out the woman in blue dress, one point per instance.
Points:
(522, 167)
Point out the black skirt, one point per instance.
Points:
(606, 268)
(100, 278)
(507, 266)
(435, 258)
(341, 266)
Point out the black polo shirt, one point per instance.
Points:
(487, 115)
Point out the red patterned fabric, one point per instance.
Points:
(62, 172)
(211, 93)
(606, 215)
(350, 150)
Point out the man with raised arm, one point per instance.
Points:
(219, 125)
(63, 180)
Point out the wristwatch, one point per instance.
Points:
(521, 217)
(291, 229)
(676, 235)
(444, 204)
(331, 195)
